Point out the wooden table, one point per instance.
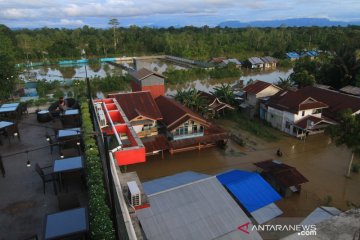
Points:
(69, 133)
(68, 223)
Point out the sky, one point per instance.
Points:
(96, 13)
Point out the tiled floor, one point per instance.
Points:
(23, 204)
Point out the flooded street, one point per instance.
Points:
(320, 161)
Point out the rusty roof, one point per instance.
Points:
(257, 86)
(303, 123)
(155, 143)
(174, 113)
(144, 73)
(137, 104)
(335, 100)
(287, 175)
(294, 102)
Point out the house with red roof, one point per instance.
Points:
(146, 80)
(296, 114)
(186, 129)
(255, 92)
(336, 101)
(141, 110)
(282, 177)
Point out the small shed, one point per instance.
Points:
(284, 178)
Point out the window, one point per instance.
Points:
(303, 113)
(201, 129)
(287, 125)
(195, 128)
(316, 111)
(146, 127)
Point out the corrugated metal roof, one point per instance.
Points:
(249, 188)
(293, 55)
(202, 210)
(168, 182)
(320, 214)
(266, 213)
(144, 73)
(255, 60)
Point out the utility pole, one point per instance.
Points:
(83, 53)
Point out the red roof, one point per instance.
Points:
(174, 114)
(137, 104)
(257, 87)
(155, 143)
(218, 59)
(287, 175)
(303, 123)
(335, 100)
(294, 102)
(144, 73)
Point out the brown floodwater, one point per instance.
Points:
(319, 160)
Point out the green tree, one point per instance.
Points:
(8, 73)
(225, 93)
(302, 79)
(347, 133)
(192, 99)
(114, 23)
(284, 83)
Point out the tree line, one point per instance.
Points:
(190, 42)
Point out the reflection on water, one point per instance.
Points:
(64, 73)
(208, 85)
(55, 72)
(160, 66)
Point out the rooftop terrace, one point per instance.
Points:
(23, 204)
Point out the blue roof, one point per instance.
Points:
(293, 55)
(176, 180)
(249, 188)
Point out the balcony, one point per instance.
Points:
(149, 132)
(189, 135)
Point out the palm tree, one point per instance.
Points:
(192, 99)
(347, 133)
(284, 83)
(348, 66)
(225, 93)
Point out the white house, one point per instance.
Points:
(257, 91)
(296, 114)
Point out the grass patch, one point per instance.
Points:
(254, 126)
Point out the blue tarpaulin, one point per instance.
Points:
(249, 188)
